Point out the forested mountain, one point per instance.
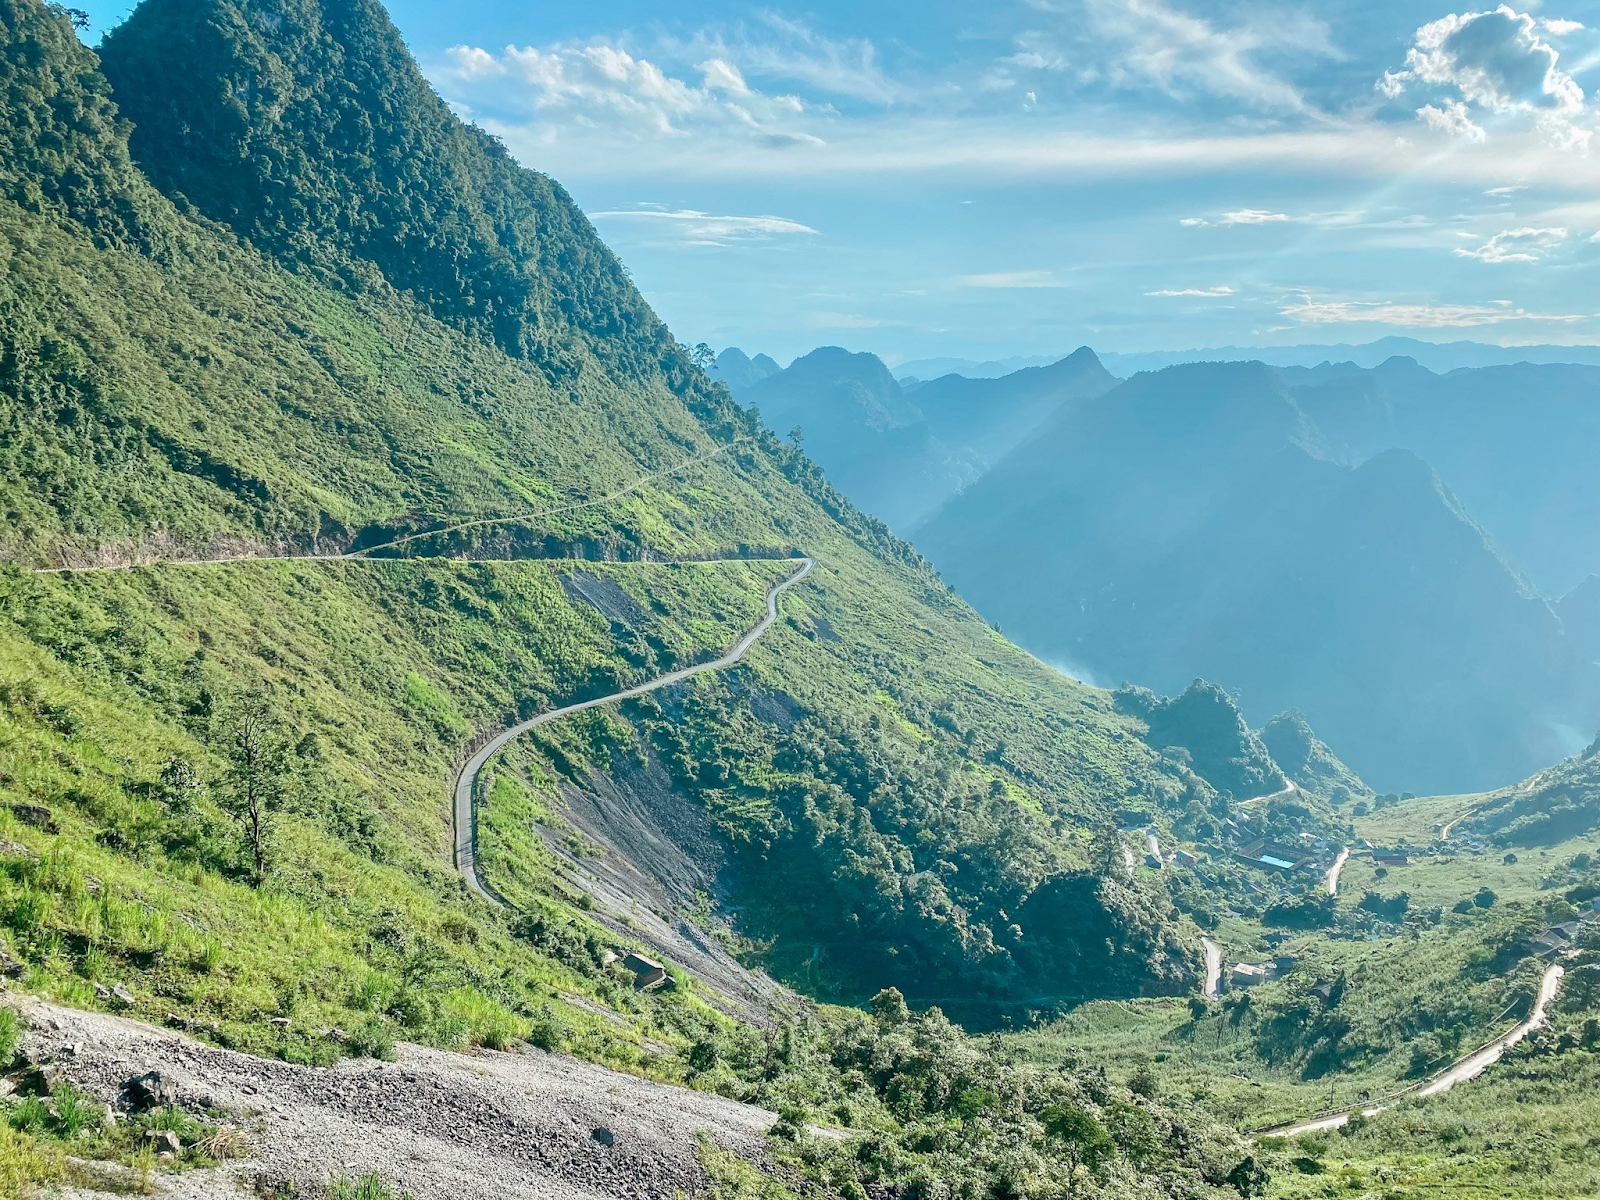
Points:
(1205, 520)
(901, 786)
(1309, 761)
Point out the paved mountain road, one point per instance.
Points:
(464, 809)
(366, 552)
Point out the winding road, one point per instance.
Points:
(1288, 790)
(1460, 1071)
(366, 552)
(464, 810)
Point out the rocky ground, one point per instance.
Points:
(484, 1126)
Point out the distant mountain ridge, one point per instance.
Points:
(1436, 356)
(900, 452)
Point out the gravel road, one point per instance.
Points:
(444, 1126)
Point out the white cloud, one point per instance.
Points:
(1193, 222)
(1252, 216)
(722, 76)
(1309, 311)
(599, 87)
(1011, 279)
(1496, 62)
(1509, 190)
(706, 229)
(1455, 118)
(1523, 245)
(1222, 290)
(1558, 27)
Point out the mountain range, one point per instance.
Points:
(1436, 356)
(1287, 535)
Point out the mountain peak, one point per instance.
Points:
(311, 131)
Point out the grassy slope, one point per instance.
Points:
(170, 389)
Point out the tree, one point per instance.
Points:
(1249, 1178)
(704, 357)
(1082, 1139)
(889, 1006)
(1485, 898)
(258, 767)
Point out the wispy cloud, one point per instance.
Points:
(707, 229)
(1307, 310)
(571, 88)
(1265, 216)
(1222, 290)
(1011, 279)
(1524, 245)
(1150, 45)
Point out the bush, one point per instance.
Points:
(368, 1187)
(374, 1039)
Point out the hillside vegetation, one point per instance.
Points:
(927, 805)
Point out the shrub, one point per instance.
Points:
(374, 1039)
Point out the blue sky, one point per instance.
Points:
(1023, 176)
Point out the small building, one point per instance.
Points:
(646, 971)
(1184, 859)
(1391, 858)
(1273, 856)
(1248, 975)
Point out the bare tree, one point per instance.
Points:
(257, 769)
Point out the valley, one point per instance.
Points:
(459, 740)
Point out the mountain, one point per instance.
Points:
(1435, 356)
(269, 130)
(899, 453)
(1555, 805)
(738, 370)
(1195, 521)
(1309, 761)
(202, 390)
(987, 417)
(1512, 440)
(859, 425)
